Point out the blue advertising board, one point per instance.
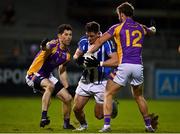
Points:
(167, 84)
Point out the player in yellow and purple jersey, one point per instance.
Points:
(129, 36)
(54, 54)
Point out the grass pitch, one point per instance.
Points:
(22, 115)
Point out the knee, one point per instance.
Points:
(68, 99)
(50, 87)
(108, 94)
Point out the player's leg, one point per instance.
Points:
(79, 103)
(111, 89)
(45, 86)
(98, 91)
(114, 108)
(143, 107)
(66, 99)
(137, 91)
(98, 110)
(48, 87)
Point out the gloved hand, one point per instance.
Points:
(91, 62)
(43, 43)
(80, 60)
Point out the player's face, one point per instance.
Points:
(92, 36)
(66, 37)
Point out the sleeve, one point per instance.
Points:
(145, 29)
(110, 47)
(82, 45)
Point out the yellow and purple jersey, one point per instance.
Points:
(46, 61)
(129, 37)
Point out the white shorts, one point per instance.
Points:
(91, 89)
(30, 81)
(132, 73)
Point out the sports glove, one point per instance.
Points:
(43, 43)
(92, 62)
(154, 120)
(80, 60)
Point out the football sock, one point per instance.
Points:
(147, 121)
(107, 119)
(44, 115)
(66, 121)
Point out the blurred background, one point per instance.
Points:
(23, 24)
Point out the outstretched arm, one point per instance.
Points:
(106, 36)
(77, 54)
(78, 57)
(63, 75)
(149, 31)
(111, 62)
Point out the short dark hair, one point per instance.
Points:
(92, 27)
(126, 8)
(63, 27)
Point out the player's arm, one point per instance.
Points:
(106, 36)
(78, 57)
(77, 54)
(149, 31)
(43, 44)
(179, 49)
(113, 60)
(47, 44)
(63, 75)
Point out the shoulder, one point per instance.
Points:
(115, 25)
(112, 28)
(53, 43)
(83, 40)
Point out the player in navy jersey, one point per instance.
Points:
(129, 36)
(93, 80)
(54, 54)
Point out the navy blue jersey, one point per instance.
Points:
(102, 54)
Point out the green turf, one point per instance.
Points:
(22, 115)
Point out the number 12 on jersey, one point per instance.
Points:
(136, 36)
